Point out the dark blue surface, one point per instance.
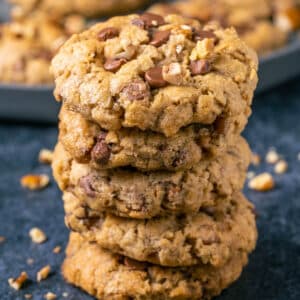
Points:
(274, 269)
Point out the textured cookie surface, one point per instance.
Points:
(89, 8)
(88, 143)
(211, 236)
(129, 193)
(114, 277)
(251, 18)
(27, 47)
(157, 73)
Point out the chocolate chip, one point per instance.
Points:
(199, 35)
(86, 183)
(220, 125)
(148, 20)
(200, 67)
(101, 151)
(114, 64)
(134, 264)
(155, 78)
(160, 37)
(136, 90)
(108, 33)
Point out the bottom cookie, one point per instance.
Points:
(115, 277)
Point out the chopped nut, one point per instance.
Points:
(30, 261)
(2, 239)
(288, 20)
(272, 157)
(35, 182)
(281, 167)
(263, 182)
(43, 273)
(250, 175)
(37, 235)
(57, 250)
(28, 296)
(65, 295)
(203, 49)
(172, 73)
(255, 159)
(46, 156)
(19, 282)
(50, 296)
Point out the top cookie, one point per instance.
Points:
(156, 73)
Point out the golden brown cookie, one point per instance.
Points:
(145, 150)
(88, 8)
(27, 47)
(114, 277)
(156, 73)
(135, 194)
(211, 236)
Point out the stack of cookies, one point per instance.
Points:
(150, 158)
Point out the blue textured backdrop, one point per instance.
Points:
(273, 272)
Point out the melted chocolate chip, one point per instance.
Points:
(160, 37)
(101, 151)
(199, 35)
(148, 20)
(136, 90)
(155, 78)
(114, 64)
(108, 33)
(200, 67)
(86, 183)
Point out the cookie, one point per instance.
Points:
(251, 19)
(144, 150)
(140, 195)
(210, 236)
(87, 8)
(114, 277)
(27, 47)
(156, 73)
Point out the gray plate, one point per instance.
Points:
(37, 104)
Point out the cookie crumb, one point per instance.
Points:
(272, 157)
(45, 156)
(50, 296)
(43, 273)
(19, 282)
(262, 182)
(34, 181)
(2, 239)
(255, 159)
(281, 167)
(65, 295)
(250, 175)
(37, 235)
(28, 296)
(56, 249)
(30, 261)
